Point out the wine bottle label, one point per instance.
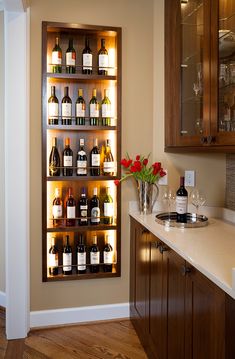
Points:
(70, 58)
(106, 110)
(68, 161)
(81, 259)
(71, 212)
(53, 260)
(181, 204)
(95, 159)
(82, 167)
(95, 215)
(53, 110)
(103, 61)
(87, 61)
(95, 257)
(57, 211)
(83, 213)
(56, 58)
(80, 110)
(108, 257)
(108, 209)
(94, 110)
(67, 262)
(108, 167)
(66, 109)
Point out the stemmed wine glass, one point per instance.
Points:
(169, 197)
(197, 198)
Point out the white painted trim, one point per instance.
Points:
(46, 318)
(2, 299)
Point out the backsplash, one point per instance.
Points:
(230, 181)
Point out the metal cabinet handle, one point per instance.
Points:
(144, 231)
(163, 248)
(156, 244)
(185, 270)
(203, 140)
(211, 139)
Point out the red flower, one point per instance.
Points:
(137, 158)
(145, 162)
(134, 169)
(157, 165)
(126, 163)
(137, 164)
(155, 171)
(162, 173)
(129, 162)
(116, 182)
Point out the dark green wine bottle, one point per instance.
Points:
(70, 58)
(56, 57)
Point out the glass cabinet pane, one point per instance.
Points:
(192, 32)
(226, 66)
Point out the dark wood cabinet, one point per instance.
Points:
(200, 75)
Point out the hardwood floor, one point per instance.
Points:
(103, 340)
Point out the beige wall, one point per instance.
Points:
(2, 153)
(210, 168)
(136, 19)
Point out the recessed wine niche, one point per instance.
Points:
(81, 151)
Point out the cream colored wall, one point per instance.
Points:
(210, 168)
(136, 19)
(2, 153)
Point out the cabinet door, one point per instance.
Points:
(205, 318)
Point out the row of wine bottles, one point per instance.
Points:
(87, 58)
(98, 165)
(83, 211)
(67, 117)
(85, 256)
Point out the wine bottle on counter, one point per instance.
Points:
(95, 159)
(94, 256)
(106, 109)
(67, 159)
(66, 106)
(81, 160)
(81, 256)
(83, 209)
(54, 159)
(56, 58)
(108, 255)
(67, 258)
(103, 59)
(57, 209)
(181, 202)
(70, 209)
(94, 109)
(87, 59)
(108, 207)
(80, 109)
(53, 108)
(53, 258)
(108, 163)
(95, 208)
(70, 58)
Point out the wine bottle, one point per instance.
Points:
(103, 59)
(108, 164)
(95, 208)
(108, 207)
(108, 255)
(83, 209)
(66, 108)
(70, 209)
(70, 58)
(56, 59)
(81, 160)
(87, 59)
(80, 109)
(181, 202)
(67, 258)
(54, 159)
(94, 110)
(95, 159)
(53, 108)
(67, 159)
(81, 256)
(94, 256)
(106, 109)
(53, 258)
(57, 209)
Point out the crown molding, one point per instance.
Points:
(14, 5)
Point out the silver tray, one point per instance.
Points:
(193, 220)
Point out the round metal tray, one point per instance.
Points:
(193, 220)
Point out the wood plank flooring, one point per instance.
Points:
(103, 340)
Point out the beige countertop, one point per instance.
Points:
(210, 249)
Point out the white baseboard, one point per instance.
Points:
(2, 299)
(44, 318)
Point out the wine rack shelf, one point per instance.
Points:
(61, 80)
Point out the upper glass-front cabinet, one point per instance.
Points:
(200, 75)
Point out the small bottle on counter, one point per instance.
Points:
(181, 202)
